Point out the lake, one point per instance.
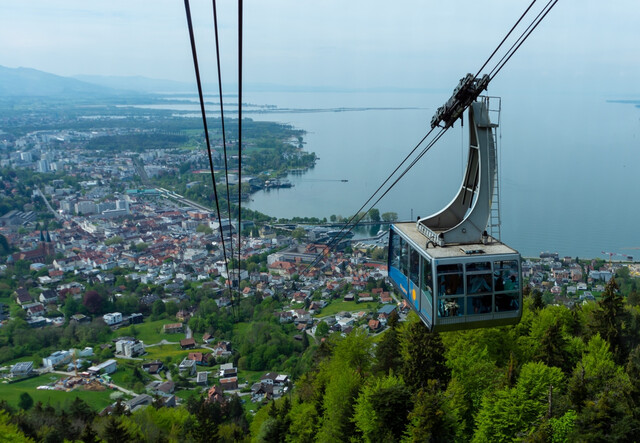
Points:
(568, 165)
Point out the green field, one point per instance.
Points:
(163, 351)
(11, 393)
(339, 305)
(150, 332)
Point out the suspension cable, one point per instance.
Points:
(239, 136)
(332, 242)
(532, 26)
(525, 34)
(224, 134)
(505, 38)
(204, 122)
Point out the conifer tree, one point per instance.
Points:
(608, 319)
(423, 356)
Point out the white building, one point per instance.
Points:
(130, 348)
(108, 367)
(112, 318)
(85, 207)
(56, 358)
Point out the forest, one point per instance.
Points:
(561, 374)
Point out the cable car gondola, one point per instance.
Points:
(446, 266)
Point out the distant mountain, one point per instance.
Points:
(27, 82)
(139, 84)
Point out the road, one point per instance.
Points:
(46, 202)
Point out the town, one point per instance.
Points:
(115, 289)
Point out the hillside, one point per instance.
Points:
(27, 82)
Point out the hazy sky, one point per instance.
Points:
(583, 44)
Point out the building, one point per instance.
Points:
(138, 402)
(202, 378)
(172, 328)
(22, 369)
(107, 367)
(229, 383)
(130, 348)
(187, 366)
(58, 357)
(188, 343)
(112, 318)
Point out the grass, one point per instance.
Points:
(339, 305)
(98, 400)
(163, 351)
(124, 375)
(150, 332)
(185, 394)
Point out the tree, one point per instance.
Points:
(551, 350)
(388, 358)
(204, 229)
(389, 217)
(422, 354)
(381, 410)
(298, 233)
(322, 329)
(71, 307)
(115, 431)
(431, 419)
(511, 413)
(157, 308)
(26, 402)
(608, 319)
(93, 302)
(374, 215)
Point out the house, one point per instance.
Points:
(138, 402)
(187, 366)
(207, 338)
(199, 357)
(300, 315)
(80, 318)
(284, 317)
(135, 319)
(216, 394)
(223, 348)
(23, 297)
(202, 378)
(188, 343)
(48, 296)
(153, 367)
(112, 318)
(22, 369)
(183, 315)
(269, 378)
(229, 383)
(162, 388)
(385, 297)
(374, 325)
(172, 328)
(35, 309)
(228, 370)
(261, 391)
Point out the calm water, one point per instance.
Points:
(569, 166)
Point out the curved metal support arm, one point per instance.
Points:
(465, 219)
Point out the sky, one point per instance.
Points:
(582, 45)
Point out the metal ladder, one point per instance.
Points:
(494, 216)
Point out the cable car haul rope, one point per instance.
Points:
(446, 266)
